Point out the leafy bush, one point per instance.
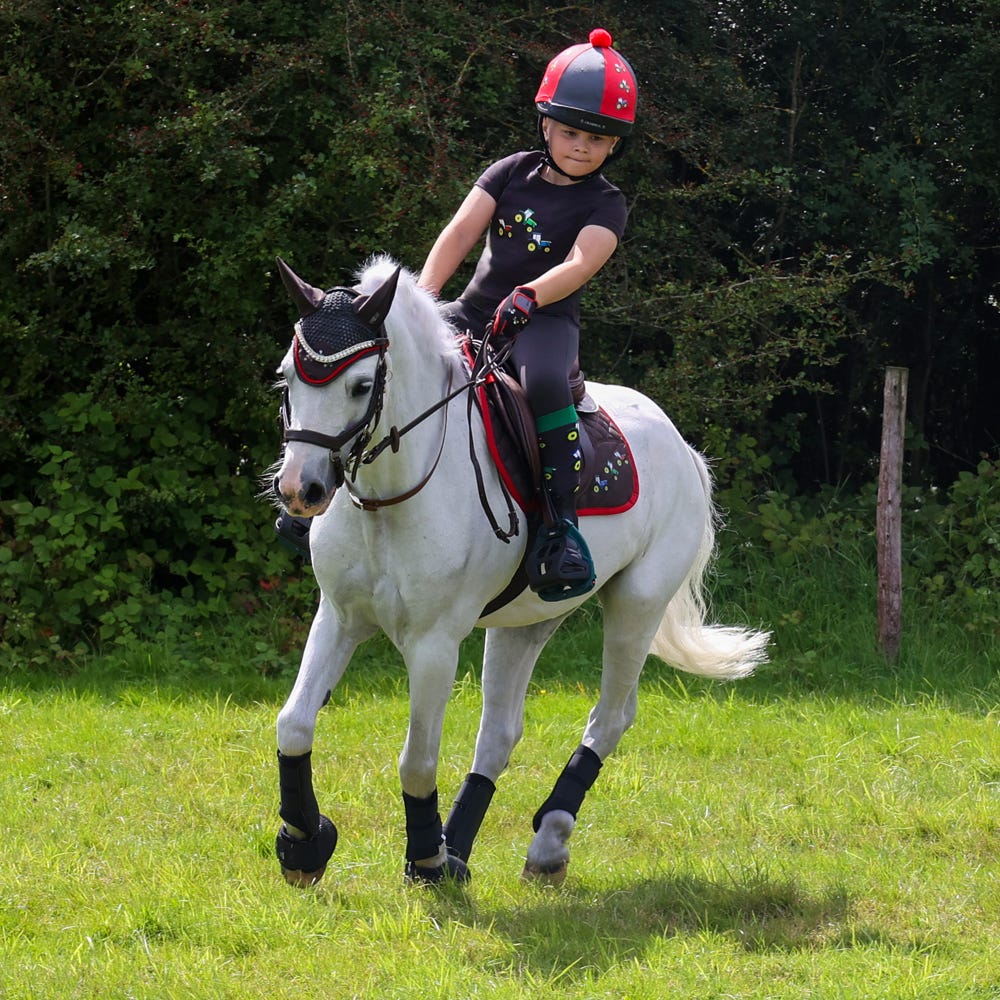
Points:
(105, 550)
(154, 157)
(955, 563)
(950, 540)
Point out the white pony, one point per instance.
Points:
(404, 546)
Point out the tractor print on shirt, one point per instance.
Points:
(526, 219)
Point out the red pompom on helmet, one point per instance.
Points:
(590, 87)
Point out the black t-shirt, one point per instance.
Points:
(534, 227)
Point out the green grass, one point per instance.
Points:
(829, 828)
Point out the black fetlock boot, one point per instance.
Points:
(425, 840)
(559, 565)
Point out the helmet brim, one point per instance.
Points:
(585, 121)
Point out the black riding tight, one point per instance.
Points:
(543, 356)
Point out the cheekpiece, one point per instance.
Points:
(333, 338)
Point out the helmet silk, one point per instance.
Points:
(590, 87)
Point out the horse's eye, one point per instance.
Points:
(361, 388)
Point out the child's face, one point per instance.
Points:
(578, 153)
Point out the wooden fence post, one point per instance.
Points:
(889, 516)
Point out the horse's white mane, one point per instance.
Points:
(414, 310)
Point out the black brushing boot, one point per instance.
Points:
(293, 533)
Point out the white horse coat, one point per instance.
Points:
(423, 569)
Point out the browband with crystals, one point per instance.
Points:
(329, 359)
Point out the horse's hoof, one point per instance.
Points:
(303, 862)
(545, 875)
(454, 870)
(301, 879)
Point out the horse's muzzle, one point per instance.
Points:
(306, 490)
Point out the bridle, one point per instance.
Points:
(345, 326)
(487, 364)
(362, 429)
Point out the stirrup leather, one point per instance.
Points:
(559, 565)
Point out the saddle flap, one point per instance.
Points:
(510, 404)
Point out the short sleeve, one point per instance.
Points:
(497, 176)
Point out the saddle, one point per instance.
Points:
(608, 480)
(609, 483)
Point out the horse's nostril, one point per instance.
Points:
(275, 483)
(314, 495)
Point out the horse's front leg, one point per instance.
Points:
(307, 839)
(431, 663)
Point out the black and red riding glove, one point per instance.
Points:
(514, 312)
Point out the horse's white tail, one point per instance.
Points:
(684, 640)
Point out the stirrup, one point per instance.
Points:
(559, 565)
(293, 533)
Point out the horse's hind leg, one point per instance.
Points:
(508, 662)
(629, 625)
(307, 838)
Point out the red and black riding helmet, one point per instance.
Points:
(590, 87)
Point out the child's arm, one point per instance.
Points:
(590, 252)
(593, 246)
(458, 237)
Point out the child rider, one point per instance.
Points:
(553, 220)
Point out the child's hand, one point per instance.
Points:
(514, 312)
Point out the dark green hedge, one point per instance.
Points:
(799, 216)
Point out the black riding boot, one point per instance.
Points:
(559, 565)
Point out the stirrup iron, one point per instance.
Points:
(559, 565)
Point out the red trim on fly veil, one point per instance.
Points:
(301, 370)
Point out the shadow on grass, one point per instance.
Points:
(575, 932)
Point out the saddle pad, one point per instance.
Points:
(609, 483)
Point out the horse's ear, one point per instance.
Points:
(372, 309)
(306, 298)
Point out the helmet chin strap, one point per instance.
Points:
(552, 165)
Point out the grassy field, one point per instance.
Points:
(829, 828)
